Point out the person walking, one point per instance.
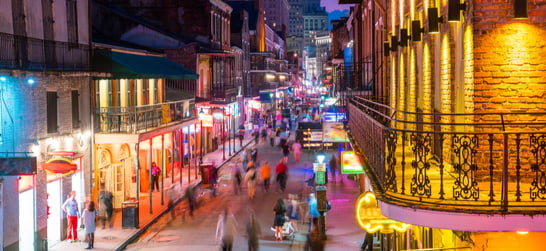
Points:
(265, 173)
(70, 207)
(282, 174)
(296, 149)
(106, 208)
(333, 167)
(293, 210)
(250, 180)
(238, 178)
(279, 210)
(89, 218)
(241, 136)
(272, 136)
(264, 133)
(285, 150)
(313, 210)
(190, 196)
(225, 229)
(156, 172)
(253, 231)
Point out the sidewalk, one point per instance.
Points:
(117, 238)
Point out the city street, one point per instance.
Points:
(178, 229)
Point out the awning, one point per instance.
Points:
(126, 65)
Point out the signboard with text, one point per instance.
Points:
(17, 166)
(350, 163)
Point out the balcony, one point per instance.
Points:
(138, 119)
(26, 53)
(491, 164)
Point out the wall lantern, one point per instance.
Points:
(416, 30)
(454, 10)
(404, 37)
(520, 9)
(434, 20)
(394, 42)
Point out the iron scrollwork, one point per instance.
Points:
(420, 182)
(390, 175)
(465, 184)
(538, 149)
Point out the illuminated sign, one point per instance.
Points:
(59, 165)
(350, 163)
(369, 216)
(206, 120)
(334, 132)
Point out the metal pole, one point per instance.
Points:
(193, 153)
(201, 145)
(150, 173)
(223, 138)
(162, 167)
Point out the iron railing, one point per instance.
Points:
(481, 162)
(142, 118)
(355, 76)
(19, 52)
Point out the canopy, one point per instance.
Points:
(126, 65)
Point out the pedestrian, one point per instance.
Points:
(279, 210)
(293, 210)
(256, 134)
(264, 133)
(238, 178)
(250, 180)
(285, 151)
(241, 136)
(253, 231)
(89, 218)
(265, 173)
(70, 207)
(272, 137)
(254, 155)
(282, 174)
(225, 228)
(333, 167)
(190, 196)
(245, 158)
(106, 207)
(313, 210)
(156, 172)
(296, 149)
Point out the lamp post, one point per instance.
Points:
(201, 113)
(320, 180)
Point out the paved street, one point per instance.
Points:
(178, 229)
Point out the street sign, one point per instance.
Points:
(320, 177)
(319, 167)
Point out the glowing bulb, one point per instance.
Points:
(31, 81)
(3, 79)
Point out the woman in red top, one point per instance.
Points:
(281, 170)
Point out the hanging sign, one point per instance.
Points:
(59, 165)
(350, 163)
(17, 166)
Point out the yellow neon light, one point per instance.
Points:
(369, 217)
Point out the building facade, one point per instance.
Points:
(449, 161)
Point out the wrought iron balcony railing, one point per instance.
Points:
(136, 119)
(481, 162)
(18, 52)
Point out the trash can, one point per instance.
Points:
(129, 214)
(206, 172)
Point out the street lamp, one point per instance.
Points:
(320, 180)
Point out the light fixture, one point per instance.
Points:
(454, 10)
(31, 81)
(434, 20)
(386, 48)
(403, 37)
(416, 30)
(320, 157)
(3, 79)
(520, 9)
(394, 42)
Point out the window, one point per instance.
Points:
(52, 112)
(75, 110)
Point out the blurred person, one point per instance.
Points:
(89, 215)
(293, 210)
(281, 171)
(106, 207)
(265, 172)
(272, 137)
(225, 229)
(237, 178)
(250, 180)
(333, 167)
(253, 231)
(263, 133)
(285, 150)
(156, 172)
(190, 196)
(296, 149)
(312, 211)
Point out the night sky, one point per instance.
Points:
(332, 5)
